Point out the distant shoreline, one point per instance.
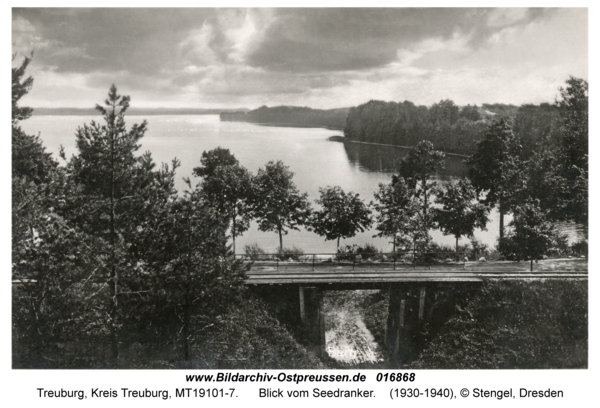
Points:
(344, 139)
(290, 125)
(132, 111)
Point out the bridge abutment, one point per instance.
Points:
(406, 311)
(312, 317)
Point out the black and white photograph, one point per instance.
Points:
(395, 189)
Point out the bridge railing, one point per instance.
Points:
(383, 259)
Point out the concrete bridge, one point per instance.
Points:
(299, 286)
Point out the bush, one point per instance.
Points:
(511, 250)
(346, 252)
(580, 248)
(254, 252)
(514, 324)
(437, 253)
(479, 248)
(494, 255)
(294, 253)
(351, 252)
(368, 250)
(248, 336)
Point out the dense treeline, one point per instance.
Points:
(291, 116)
(449, 127)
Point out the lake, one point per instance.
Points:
(315, 160)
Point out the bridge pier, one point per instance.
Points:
(406, 311)
(312, 316)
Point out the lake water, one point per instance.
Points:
(315, 160)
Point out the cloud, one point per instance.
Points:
(507, 16)
(316, 57)
(196, 48)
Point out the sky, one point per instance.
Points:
(322, 58)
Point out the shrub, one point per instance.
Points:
(350, 252)
(347, 252)
(254, 252)
(494, 255)
(580, 248)
(479, 248)
(248, 336)
(514, 324)
(368, 250)
(294, 253)
(437, 252)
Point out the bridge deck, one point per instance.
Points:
(279, 273)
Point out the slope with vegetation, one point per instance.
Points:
(497, 325)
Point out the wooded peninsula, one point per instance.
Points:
(291, 116)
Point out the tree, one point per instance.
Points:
(417, 169)
(20, 88)
(531, 235)
(118, 194)
(397, 210)
(193, 277)
(470, 112)
(228, 186)
(573, 109)
(460, 212)
(341, 215)
(213, 159)
(279, 205)
(445, 111)
(50, 260)
(545, 182)
(557, 171)
(535, 127)
(495, 168)
(573, 164)
(29, 157)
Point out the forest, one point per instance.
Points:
(450, 128)
(114, 268)
(291, 116)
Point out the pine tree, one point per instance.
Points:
(193, 276)
(119, 192)
(29, 156)
(50, 262)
